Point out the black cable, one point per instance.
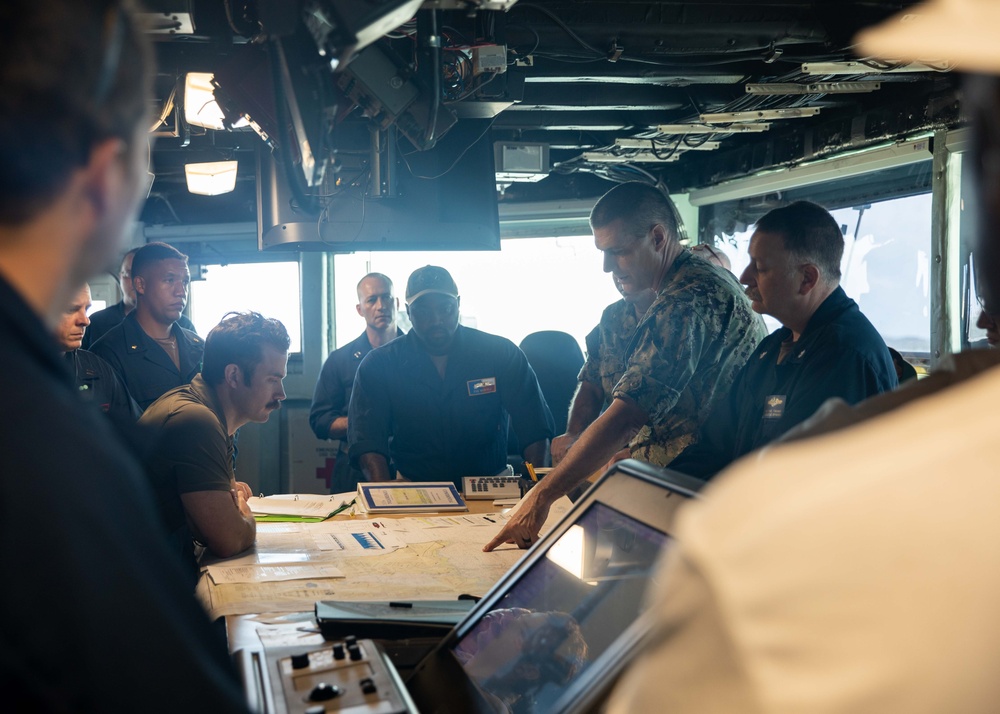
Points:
(670, 154)
(556, 19)
(429, 42)
(454, 163)
(538, 40)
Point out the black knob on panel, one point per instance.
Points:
(338, 652)
(300, 661)
(355, 652)
(324, 692)
(368, 686)
(350, 640)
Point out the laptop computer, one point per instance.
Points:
(554, 634)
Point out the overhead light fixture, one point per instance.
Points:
(212, 178)
(168, 23)
(814, 172)
(647, 143)
(790, 88)
(703, 129)
(200, 107)
(647, 157)
(764, 114)
(854, 67)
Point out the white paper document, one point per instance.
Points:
(355, 538)
(303, 504)
(224, 574)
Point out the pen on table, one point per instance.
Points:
(489, 519)
(531, 471)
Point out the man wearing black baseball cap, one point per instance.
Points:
(436, 402)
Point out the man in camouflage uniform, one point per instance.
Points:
(684, 354)
(605, 365)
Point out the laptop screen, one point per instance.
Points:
(563, 612)
(556, 631)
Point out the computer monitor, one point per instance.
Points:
(555, 632)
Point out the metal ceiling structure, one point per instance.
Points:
(685, 94)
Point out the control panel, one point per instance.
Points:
(350, 676)
(490, 487)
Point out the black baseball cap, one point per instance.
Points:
(430, 279)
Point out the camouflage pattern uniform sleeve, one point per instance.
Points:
(685, 354)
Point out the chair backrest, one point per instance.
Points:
(556, 358)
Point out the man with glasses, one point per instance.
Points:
(436, 402)
(98, 613)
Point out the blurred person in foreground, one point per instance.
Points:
(98, 617)
(871, 585)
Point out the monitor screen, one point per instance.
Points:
(445, 199)
(562, 613)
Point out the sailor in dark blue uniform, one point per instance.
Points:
(332, 396)
(436, 401)
(826, 347)
(149, 350)
(96, 381)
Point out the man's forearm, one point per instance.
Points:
(249, 533)
(534, 453)
(595, 447)
(338, 428)
(585, 408)
(374, 466)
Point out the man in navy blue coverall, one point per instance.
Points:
(826, 347)
(328, 414)
(436, 401)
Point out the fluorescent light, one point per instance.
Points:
(702, 129)
(789, 88)
(863, 68)
(212, 178)
(844, 166)
(727, 117)
(168, 23)
(200, 107)
(646, 144)
(649, 157)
